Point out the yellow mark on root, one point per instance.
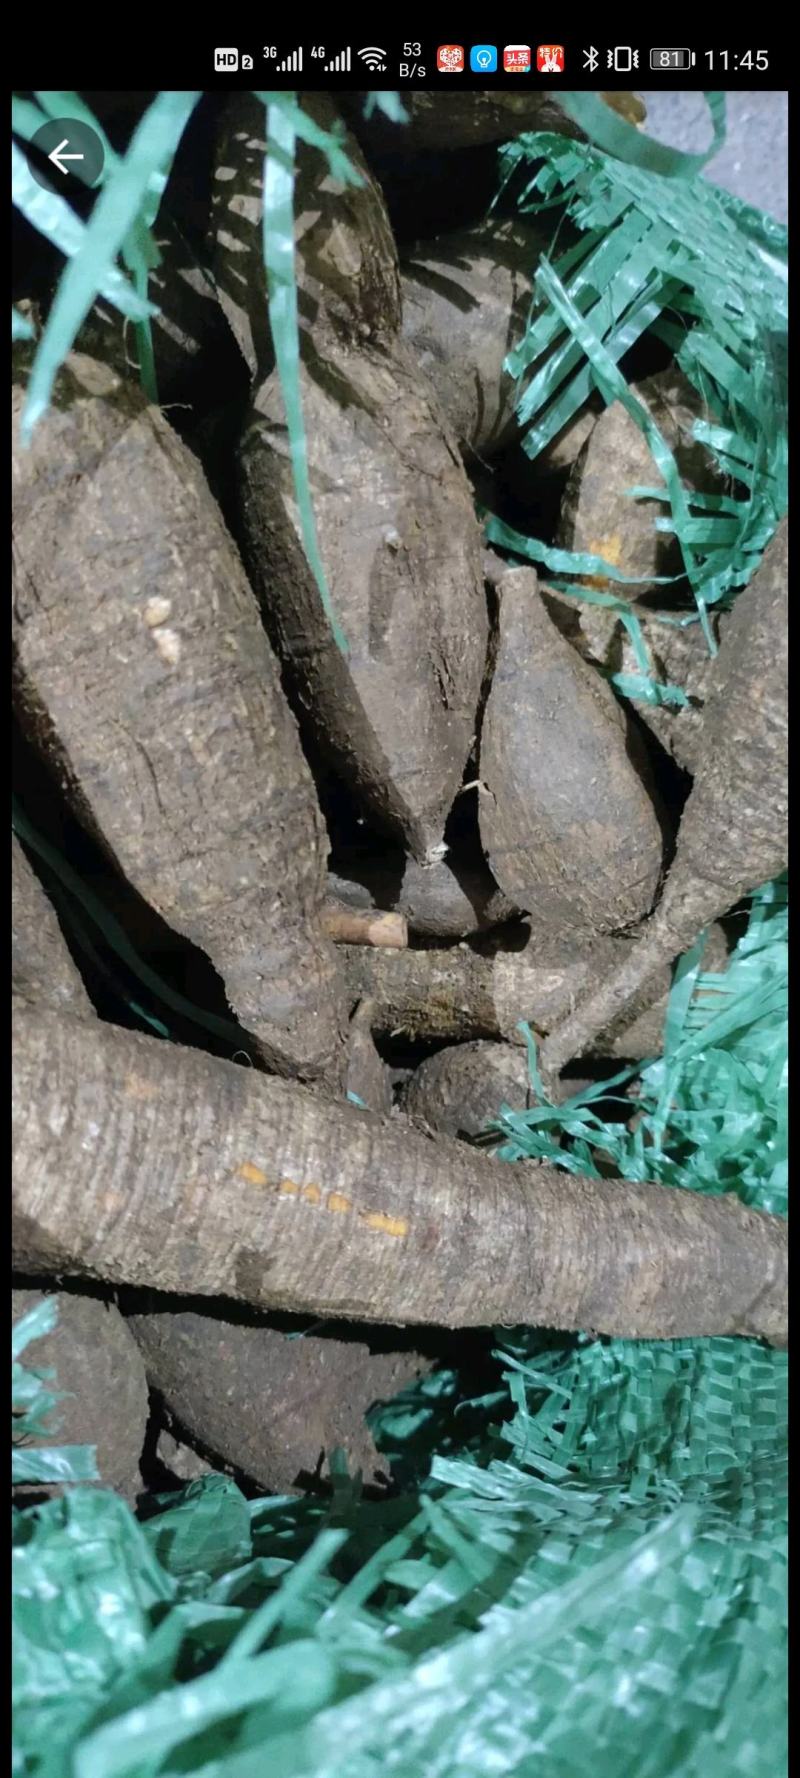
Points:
(610, 548)
(137, 1088)
(385, 1225)
(251, 1174)
(336, 1202)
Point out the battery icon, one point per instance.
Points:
(671, 61)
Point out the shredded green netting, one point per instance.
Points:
(588, 1579)
(684, 261)
(713, 1108)
(32, 1403)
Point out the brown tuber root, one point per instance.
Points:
(101, 1383)
(272, 1404)
(463, 120)
(393, 510)
(466, 299)
(41, 966)
(444, 899)
(144, 675)
(368, 1080)
(732, 836)
(529, 478)
(460, 1089)
(457, 994)
(452, 996)
(152, 1164)
(346, 256)
(678, 656)
(567, 823)
(598, 514)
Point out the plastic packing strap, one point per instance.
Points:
(279, 260)
(626, 142)
(126, 200)
(116, 937)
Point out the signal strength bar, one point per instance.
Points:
(292, 64)
(340, 63)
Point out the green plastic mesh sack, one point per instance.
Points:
(587, 1581)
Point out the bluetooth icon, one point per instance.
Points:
(591, 58)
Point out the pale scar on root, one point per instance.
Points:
(336, 1202)
(138, 1088)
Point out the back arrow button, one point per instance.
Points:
(70, 150)
(58, 157)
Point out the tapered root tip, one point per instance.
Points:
(623, 991)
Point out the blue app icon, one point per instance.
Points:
(483, 58)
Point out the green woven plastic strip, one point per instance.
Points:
(32, 1406)
(120, 223)
(609, 131)
(279, 253)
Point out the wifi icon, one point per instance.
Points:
(374, 58)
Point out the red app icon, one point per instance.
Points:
(450, 58)
(550, 58)
(517, 58)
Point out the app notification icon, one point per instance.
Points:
(483, 58)
(517, 58)
(550, 58)
(450, 58)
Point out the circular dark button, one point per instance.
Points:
(72, 151)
